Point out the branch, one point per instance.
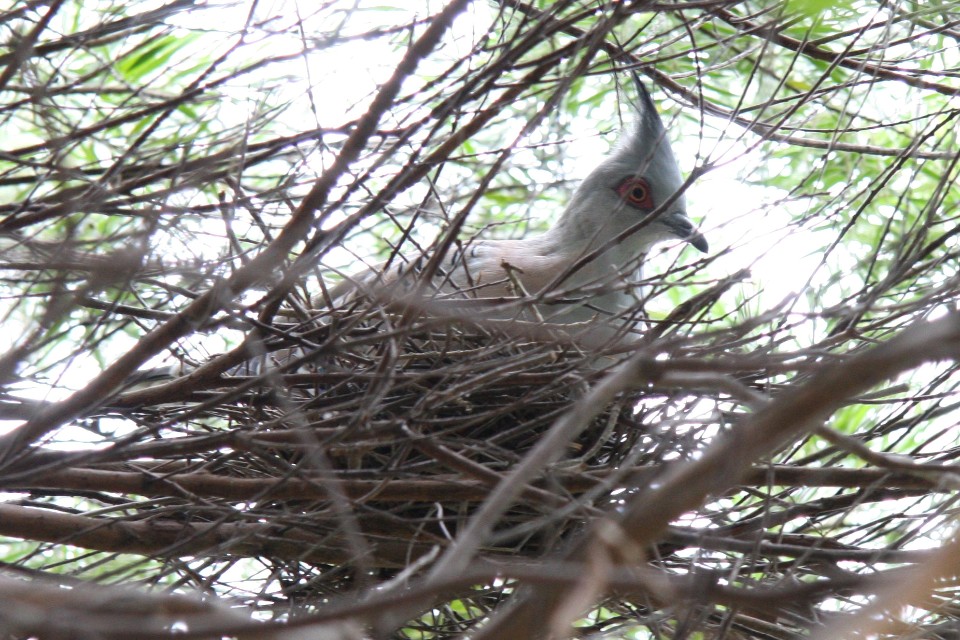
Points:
(197, 312)
(623, 537)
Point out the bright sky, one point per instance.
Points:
(732, 214)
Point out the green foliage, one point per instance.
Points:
(154, 55)
(153, 152)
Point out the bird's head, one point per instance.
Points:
(638, 180)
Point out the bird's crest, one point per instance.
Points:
(638, 186)
(647, 111)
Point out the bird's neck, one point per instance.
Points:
(582, 269)
(594, 246)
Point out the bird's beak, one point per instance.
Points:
(681, 226)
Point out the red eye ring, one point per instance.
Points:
(636, 193)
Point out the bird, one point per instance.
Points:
(628, 204)
(578, 271)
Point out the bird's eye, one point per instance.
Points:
(636, 193)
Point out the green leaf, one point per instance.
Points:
(153, 55)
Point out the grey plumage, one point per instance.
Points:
(631, 202)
